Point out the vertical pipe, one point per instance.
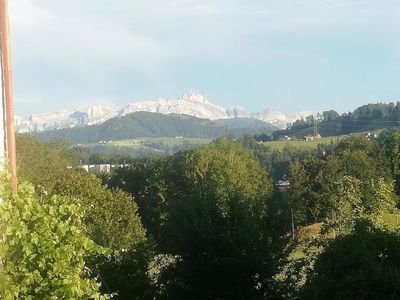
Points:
(2, 117)
(7, 92)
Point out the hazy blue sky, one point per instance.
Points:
(288, 54)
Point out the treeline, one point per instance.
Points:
(197, 209)
(144, 147)
(144, 124)
(330, 123)
(209, 223)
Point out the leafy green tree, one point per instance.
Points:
(346, 206)
(216, 225)
(44, 248)
(298, 265)
(314, 181)
(298, 192)
(42, 164)
(111, 219)
(330, 115)
(110, 216)
(127, 274)
(386, 201)
(145, 180)
(362, 265)
(309, 185)
(391, 144)
(277, 162)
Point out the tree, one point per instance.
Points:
(144, 179)
(44, 248)
(391, 145)
(110, 216)
(216, 225)
(314, 180)
(42, 164)
(330, 115)
(127, 274)
(298, 193)
(346, 206)
(362, 265)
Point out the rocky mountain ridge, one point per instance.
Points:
(192, 104)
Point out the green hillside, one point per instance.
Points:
(143, 146)
(370, 117)
(299, 144)
(144, 124)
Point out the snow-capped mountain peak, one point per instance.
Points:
(191, 103)
(194, 97)
(88, 115)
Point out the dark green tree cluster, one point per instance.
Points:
(40, 164)
(208, 210)
(365, 118)
(346, 198)
(364, 264)
(108, 218)
(216, 226)
(356, 164)
(277, 162)
(223, 232)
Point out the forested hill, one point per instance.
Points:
(144, 124)
(365, 118)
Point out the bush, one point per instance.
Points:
(44, 249)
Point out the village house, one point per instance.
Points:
(311, 137)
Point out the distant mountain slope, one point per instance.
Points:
(244, 123)
(368, 117)
(145, 124)
(192, 104)
(90, 115)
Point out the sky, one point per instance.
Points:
(291, 55)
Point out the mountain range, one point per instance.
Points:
(155, 125)
(191, 104)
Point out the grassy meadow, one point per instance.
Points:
(280, 145)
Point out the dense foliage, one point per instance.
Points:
(110, 216)
(315, 182)
(362, 265)
(218, 224)
(44, 248)
(41, 164)
(365, 118)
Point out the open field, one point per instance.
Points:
(280, 145)
(166, 141)
(145, 146)
(392, 221)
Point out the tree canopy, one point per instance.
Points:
(44, 248)
(362, 265)
(216, 225)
